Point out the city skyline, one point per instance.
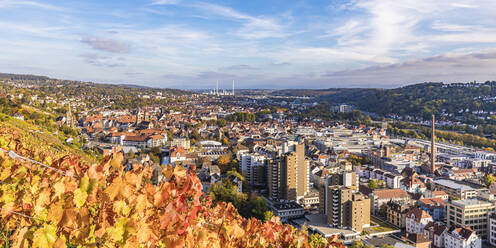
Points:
(275, 44)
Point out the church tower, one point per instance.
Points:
(69, 119)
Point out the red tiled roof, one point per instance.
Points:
(390, 193)
(418, 214)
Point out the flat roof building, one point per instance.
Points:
(473, 213)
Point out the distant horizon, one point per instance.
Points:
(229, 89)
(260, 44)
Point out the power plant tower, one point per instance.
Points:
(217, 88)
(433, 148)
(233, 88)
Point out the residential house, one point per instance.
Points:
(380, 197)
(435, 233)
(436, 207)
(416, 220)
(461, 237)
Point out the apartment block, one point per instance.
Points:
(472, 213)
(345, 207)
(253, 169)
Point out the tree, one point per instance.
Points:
(268, 215)
(221, 122)
(489, 179)
(170, 135)
(223, 163)
(372, 184)
(225, 141)
(357, 244)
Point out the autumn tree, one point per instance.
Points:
(223, 162)
(489, 179)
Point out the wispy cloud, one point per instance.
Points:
(107, 45)
(253, 27)
(101, 60)
(447, 67)
(166, 2)
(239, 68)
(20, 3)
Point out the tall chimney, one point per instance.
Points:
(433, 148)
(233, 88)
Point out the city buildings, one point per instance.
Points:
(381, 197)
(461, 237)
(470, 213)
(492, 229)
(435, 207)
(457, 189)
(294, 174)
(416, 219)
(396, 213)
(345, 207)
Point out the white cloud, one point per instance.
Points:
(18, 3)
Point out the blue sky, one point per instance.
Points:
(259, 44)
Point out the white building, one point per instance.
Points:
(252, 168)
(416, 220)
(492, 229)
(460, 237)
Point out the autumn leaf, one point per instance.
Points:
(80, 197)
(20, 241)
(45, 236)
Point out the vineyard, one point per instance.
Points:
(63, 202)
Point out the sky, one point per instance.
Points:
(264, 44)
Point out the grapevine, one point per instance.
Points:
(99, 205)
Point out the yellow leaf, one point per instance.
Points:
(122, 208)
(45, 237)
(117, 233)
(116, 160)
(80, 197)
(84, 184)
(59, 188)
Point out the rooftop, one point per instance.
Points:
(460, 185)
(317, 223)
(471, 203)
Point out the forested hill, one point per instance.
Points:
(48, 83)
(89, 94)
(414, 100)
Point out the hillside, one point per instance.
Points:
(67, 201)
(414, 100)
(90, 94)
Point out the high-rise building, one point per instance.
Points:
(345, 207)
(433, 146)
(288, 175)
(294, 174)
(253, 169)
(472, 213)
(273, 178)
